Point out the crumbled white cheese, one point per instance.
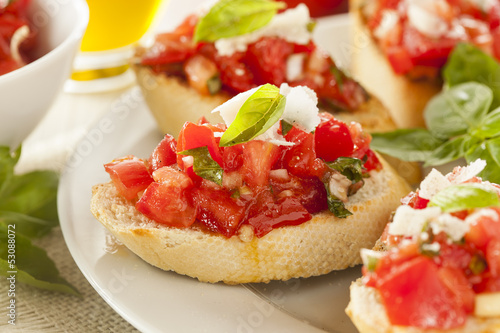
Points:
(271, 135)
(463, 174)
(432, 247)
(410, 222)
(454, 227)
(482, 213)
(295, 66)
(389, 20)
(425, 21)
(228, 110)
(290, 25)
(432, 184)
(301, 107)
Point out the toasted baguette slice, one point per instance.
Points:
(405, 98)
(368, 315)
(316, 247)
(173, 102)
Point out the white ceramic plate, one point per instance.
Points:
(157, 301)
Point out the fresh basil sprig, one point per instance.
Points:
(204, 165)
(465, 196)
(229, 18)
(28, 210)
(335, 205)
(259, 112)
(462, 121)
(350, 167)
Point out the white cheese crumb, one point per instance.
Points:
(465, 173)
(228, 110)
(454, 227)
(482, 213)
(295, 66)
(433, 247)
(366, 254)
(290, 25)
(389, 20)
(410, 222)
(432, 184)
(301, 106)
(426, 22)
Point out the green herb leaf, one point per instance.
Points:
(259, 112)
(448, 151)
(285, 127)
(31, 263)
(465, 196)
(335, 205)
(489, 151)
(350, 167)
(30, 202)
(406, 144)
(477, 264)
(229, 18)
(204, 165)
(456, 110)
(468, 63)
(490, 125)
(8, 160)
(338, 75)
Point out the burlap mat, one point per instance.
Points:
(45, 311)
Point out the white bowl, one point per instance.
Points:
(27, 93)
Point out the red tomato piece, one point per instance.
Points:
(195, 136)
(493, 257)
(299, 158)
(482, 231)
(217, 210)
(258, 158)
(270, 215)
(129, 175)
(333, 140)
(168, 48)
(457, 283)
(199, 70)
(400, 59)
(267, 60)
(232, 157)
(414, 295)
(164, 154)
(311, 192)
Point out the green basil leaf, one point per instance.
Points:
(406, 144)
(204, 165)
(30, 202)
(448, 151)
(335, 205)
(489, 151)
(229, 18)
(350, 167)
(490, 125)
(465, 196)
(8, 160)
(468, 63)
(31, 264)
(259, 112)
(285, 127)
(456, 110)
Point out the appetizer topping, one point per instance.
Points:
(443, 258)
(240, 44)
(418, 35)
(266, 168)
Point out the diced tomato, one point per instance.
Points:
(258, 158)
(493, 257)
(129, 175)
(310, 192)
(299, 158)
(410, 285)
(400, 59)
(164, 154)
(168, 48)
(457, 283)
(199, 71)
(414, 201)
(167, 204)
(195, 136)
(217, 210)
(332, 140)
(232, 157)
(267, 60)
(482, 231)
(285, 211)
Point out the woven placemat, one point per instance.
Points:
(45, 311)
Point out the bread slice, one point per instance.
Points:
(368, 315)
(316, 247)
(405, 98)
(172, 102)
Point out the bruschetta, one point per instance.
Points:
(401, 46)
(279, 191)
(237, 45)
(437, 265)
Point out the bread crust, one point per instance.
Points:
(405, 98)
(368, 315)
(316, 247)
(172, 102)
